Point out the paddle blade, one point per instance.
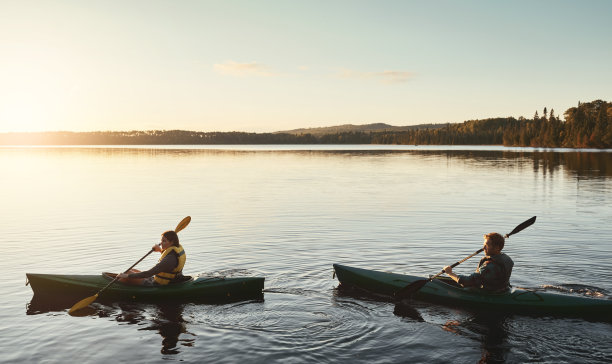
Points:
(183, 224)
(82, 304)
(522, 226)
(404, 309)
(410, 289)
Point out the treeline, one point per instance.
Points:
(152, 137)
(588, 125)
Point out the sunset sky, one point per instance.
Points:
(264, 66)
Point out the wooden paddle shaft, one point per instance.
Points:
(127, 270)
(457, 263)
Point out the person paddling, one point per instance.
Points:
(169, 268)
(493, 271)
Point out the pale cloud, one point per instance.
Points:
(232, 68)
(388, 77)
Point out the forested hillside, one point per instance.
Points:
(589, 125)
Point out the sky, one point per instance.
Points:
(263, 66)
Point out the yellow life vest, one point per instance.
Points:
(164, 278)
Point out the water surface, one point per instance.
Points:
(288, 213)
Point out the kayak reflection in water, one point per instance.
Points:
(169, 268)
(493, 271)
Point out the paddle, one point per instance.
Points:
(89, 300)
(413, 287)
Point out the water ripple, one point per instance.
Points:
(288, 216)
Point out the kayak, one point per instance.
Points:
(199, 289)
(446, 291)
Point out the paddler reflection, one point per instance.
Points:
(167, 320)
(171, 325)
(489, 328)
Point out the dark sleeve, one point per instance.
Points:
(474, 279)
(166, 265)
(487, 273)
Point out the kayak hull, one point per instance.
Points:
(442, 292)
(200, 289)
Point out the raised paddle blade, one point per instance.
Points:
(183, 224)
(410, 289)
(522, 226)
(82, 304)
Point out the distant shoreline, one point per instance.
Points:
(589, 125)
(310, 148)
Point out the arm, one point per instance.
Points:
(475, 279)
(449, 272)
(166, 265)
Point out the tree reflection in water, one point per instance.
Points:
(578, 163)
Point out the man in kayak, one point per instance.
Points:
(169, 268)
(494, 270)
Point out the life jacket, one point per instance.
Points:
(164, 278)
(502, 282)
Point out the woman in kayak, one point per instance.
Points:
(167, 270)
(494, 270)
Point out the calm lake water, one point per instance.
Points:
(288, 213)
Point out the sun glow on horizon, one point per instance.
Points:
(38, 87)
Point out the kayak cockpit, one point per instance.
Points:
(136, 282)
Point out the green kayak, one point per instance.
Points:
(199, 289)
(446, 291)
